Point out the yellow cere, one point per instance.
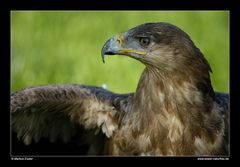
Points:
(120, 39)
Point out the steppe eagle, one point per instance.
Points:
(174, 110)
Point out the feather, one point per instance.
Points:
(174, 110)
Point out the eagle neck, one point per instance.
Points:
(147, 94)
(159, 91)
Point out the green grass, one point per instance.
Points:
(65, 47)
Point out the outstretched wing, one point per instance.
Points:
(64, 111)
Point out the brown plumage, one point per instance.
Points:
(174, 110)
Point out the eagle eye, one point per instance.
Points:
(144, 41)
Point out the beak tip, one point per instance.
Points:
(103, 55)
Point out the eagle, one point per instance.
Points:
(173, 112)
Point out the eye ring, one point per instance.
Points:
(144, 41)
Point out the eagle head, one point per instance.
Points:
(159, 45)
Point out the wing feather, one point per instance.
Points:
(222, 99)
(58, 111)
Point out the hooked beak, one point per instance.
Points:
(117, 46)
(111, 47)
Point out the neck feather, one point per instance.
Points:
(158, 91)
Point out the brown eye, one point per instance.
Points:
(144, 41)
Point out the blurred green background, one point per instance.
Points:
(50, 47)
